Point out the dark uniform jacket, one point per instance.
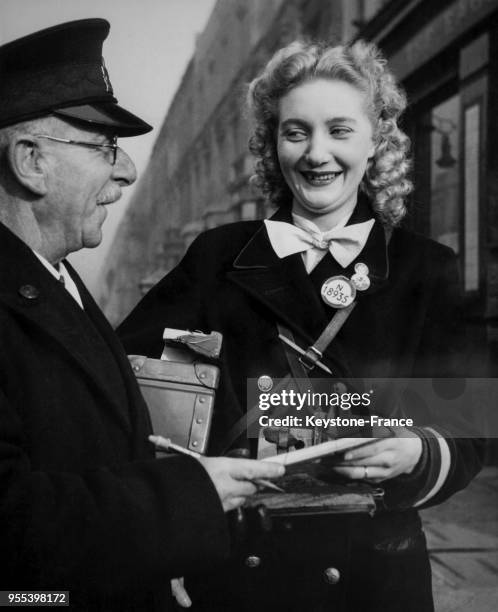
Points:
(84, 506)
(405, 325)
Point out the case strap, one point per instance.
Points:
(301, 366)
(316, 350)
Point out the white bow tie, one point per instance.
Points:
(344, 242)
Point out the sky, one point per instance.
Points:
(146, 53)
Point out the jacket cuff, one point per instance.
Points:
(439, 465)
(428, 476)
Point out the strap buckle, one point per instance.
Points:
(310, 358)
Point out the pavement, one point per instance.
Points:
(462, 537)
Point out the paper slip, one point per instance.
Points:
(310, 453)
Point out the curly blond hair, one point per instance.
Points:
(361, 65)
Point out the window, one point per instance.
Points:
(445, 173)
(471, 196)
(447, 170)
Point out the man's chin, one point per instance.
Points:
(92, 239)
(92, 244)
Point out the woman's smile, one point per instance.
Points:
(319, 179)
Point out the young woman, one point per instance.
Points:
(332, 158)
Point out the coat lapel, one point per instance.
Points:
(282, 285)
(32, 293)
(375, 251)
(127, 382)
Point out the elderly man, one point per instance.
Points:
(84, 505)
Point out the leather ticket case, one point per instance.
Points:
(305, 495)
(180, 398)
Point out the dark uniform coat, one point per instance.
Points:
(84, 506)
(405, 325)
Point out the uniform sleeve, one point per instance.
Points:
(106, 530)
(180, 294)
(453, 443)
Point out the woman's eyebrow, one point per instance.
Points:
(301, 121)
(342, 120)
(292, 121)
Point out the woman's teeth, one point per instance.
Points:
(320, 179)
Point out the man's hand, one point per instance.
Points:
(383, 459)
(233, 478)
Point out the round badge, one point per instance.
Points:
(362, 283)
(265, 383)
(338, 292)
(361, 269)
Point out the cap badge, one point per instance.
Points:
(105, 76)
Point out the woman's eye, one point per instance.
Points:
(340, 132)
(295, 135)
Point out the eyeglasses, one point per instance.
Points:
(110, 149)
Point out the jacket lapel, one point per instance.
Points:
(375, 252)
(33, 294)
(282, 285)
(127, 381)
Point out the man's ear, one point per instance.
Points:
(26, 163)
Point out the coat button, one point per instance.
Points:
(253, 561)
(29, 292)
(332, 575)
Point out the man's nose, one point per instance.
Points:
(318, 152)
(124, 171)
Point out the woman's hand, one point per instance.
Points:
(382, 459)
